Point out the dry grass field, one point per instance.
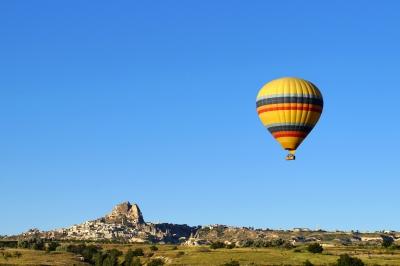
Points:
(38, 257)
(204, 256)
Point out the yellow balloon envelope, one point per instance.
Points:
(289, 108)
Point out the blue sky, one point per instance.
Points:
(154, 102)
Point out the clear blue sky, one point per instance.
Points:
(154, 102)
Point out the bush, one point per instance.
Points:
(110, 260)
(76, 249)
(38, 245)
(7, 255)
(138, 252)
(315, 248)
(155, 262)
(277, 242)
(346, 260)
(129, 256)
(230, 246)
(203, 249)
(33, 243)
(153, 248)
(87, 252)
(114, 252)
(217, 244)
(51, 246)
(263, 243)
(259, 243)
(287, 245)
(180, 254)
(135, 262)
(247, 243)
(98, 259)
(62, 248)
(23, 244)
(307, 263)
(17, 254)
(387, 241)
(232, 263)
(394, 247)
(8, 244)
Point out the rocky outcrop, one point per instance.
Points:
(124, 223)
(125, 213)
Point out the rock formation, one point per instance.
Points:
(125, 213)
(125, 223)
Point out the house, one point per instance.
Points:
(298, 229)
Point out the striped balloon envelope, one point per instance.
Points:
(289, 108)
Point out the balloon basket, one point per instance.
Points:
(290, 157)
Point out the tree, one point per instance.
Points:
(346, 260)
(315, 248)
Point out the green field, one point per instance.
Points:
(204, 256)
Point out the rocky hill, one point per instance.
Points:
(125, 223)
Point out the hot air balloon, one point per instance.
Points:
(289, 108)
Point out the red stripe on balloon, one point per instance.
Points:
(312, 109)
(297, 134)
